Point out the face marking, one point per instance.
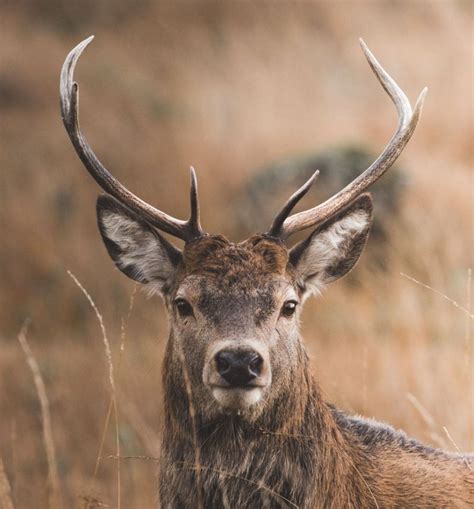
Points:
(237, 399)
(224, 306)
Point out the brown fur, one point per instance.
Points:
(256, 257)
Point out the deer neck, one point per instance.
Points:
(297, 414)
(295, 448)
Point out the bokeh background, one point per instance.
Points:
(254, 95)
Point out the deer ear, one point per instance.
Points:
(333, 249)
(137, 249)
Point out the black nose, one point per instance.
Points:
(238, 367)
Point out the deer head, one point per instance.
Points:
(234, 308)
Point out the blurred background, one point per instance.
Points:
(255, 96)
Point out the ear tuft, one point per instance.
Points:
(334, 248)
(136, 248)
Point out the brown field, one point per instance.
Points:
(227, 87)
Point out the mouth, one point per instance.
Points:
(246, 387)
(237, 398)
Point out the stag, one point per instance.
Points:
(245, 424)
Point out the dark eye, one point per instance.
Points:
(184, 307)
(289, 308)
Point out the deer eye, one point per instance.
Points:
(184, 307)
(289, 308)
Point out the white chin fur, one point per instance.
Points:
(237, 399)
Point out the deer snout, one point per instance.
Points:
(238, 367)
(238, 373)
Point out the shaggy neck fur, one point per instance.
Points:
(293, 450)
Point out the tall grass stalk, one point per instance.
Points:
(55, 499)
(108, 356)
(6, 501)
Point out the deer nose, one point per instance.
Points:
(238, 367)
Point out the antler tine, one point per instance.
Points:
(194, 217)
(275, 228)
(69, 93)
(407, 121)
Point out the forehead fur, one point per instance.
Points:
(216, 256)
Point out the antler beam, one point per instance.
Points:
(69, 93)
(284, 226)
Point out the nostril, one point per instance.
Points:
(238, 368)
(255, 363)
(222, 362)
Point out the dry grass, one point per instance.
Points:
(5, 489)
(113, 395)
(50, 449)
(227, 87)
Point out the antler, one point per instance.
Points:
(284, 226)
(69, 91)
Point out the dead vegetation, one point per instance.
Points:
(227, 87)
